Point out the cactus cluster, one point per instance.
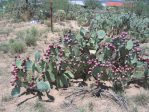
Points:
(123, 55)
(116, 23)
(88, 54)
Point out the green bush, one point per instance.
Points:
(139, 7)
(11, 41)
(47, 23)
(30, 40)
(42, 12)
(31, 37)
(92, 4)
(4, 47)
(20, 35)
(60, 5)
(17, 47)
(34, 9)
(34, 32)
(84, 17)
(71, 16)
(73, 11)
(60, 15)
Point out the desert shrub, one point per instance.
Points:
(60, 15)
(57, 5)
(42, 12)
(34, 31)
(17, 47)
(60, 5)
(31, 37)
(84, 17)
(75, 7)
(142, 98)
(139, 7)
(66, 30)
(20, 35)
(92, 4)
(20, 9)
(30, 40)
(48, 23)
(83, 21)
(11, 41)
(16, 19)
(74, 11)
(4, 47)
(32, 9)
(71, 16)
(39, 106)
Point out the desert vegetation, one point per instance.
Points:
(58, 56)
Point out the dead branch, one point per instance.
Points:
(79, 91)
(120, 100)
(25, 100)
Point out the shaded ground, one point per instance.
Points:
(74, 104)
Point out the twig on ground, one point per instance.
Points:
(79, 91)
(118, 99)
(25, 100)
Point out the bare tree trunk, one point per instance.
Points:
(26, 1)
(51, 14)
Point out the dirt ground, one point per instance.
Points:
(88, 103)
